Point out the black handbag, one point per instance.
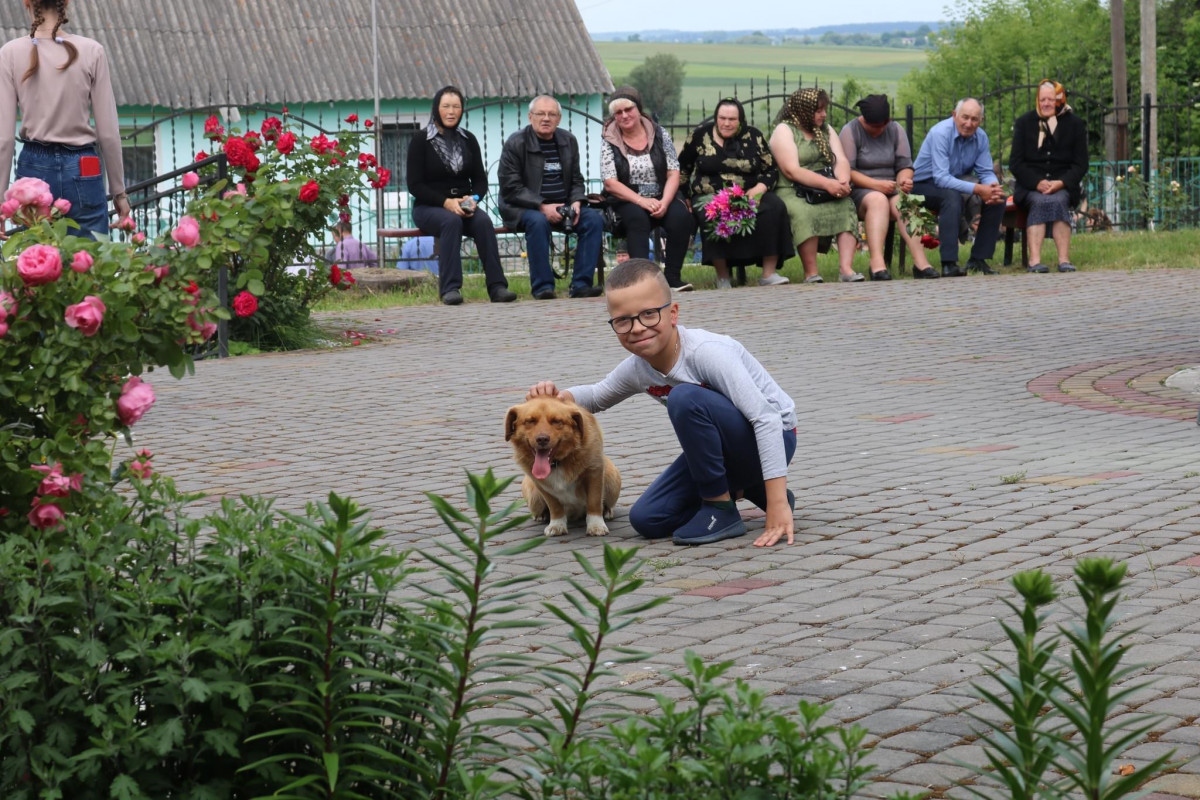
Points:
(815, 196)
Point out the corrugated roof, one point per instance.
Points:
(184, 53)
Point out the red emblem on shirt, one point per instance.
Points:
(659, 392)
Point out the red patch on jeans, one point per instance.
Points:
(89, 166)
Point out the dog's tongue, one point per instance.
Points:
(541, 464)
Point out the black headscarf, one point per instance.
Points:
(447, 142)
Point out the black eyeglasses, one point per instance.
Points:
(649, 318)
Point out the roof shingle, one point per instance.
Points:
(185, 53)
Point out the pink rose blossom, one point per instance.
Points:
(187, 232)
(55, 484)
(206, 330)
(8, 305)
(30, 192)
(63, 205)
(86, 316)
(135, 400)
(239, 190)
(3, 329)
(45, 516)
(125, 224)
(160, 272)
(191, 180)
(9, 209)
(82, 261)
(139, 238)
(39, 264)
(141, 469)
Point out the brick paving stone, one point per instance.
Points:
(905, 535)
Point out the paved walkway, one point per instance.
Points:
(951, 433)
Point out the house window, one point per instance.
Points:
(138, 155)
(393, 151)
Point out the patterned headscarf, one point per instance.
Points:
(1060, 95)
(800, 112)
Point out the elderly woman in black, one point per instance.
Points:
(446, 177)
(641, 174)
(728, 152)
(1048, 160)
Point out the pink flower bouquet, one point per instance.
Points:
(730, 213)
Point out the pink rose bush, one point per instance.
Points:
(77, 317)
(187, 232)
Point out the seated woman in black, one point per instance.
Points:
(728, 152)
(446, 177)
(1049, 158)
(641, 174)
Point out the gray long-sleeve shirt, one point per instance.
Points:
(721, 363)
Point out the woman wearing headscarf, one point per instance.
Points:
(728, 152)
(640, 170)
(804, 146)
(446, 177)
(1048, 160)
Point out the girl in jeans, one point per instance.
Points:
(59, 81)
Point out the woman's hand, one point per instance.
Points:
(837, 188)
(887, 187)
(905, 184)
(1050, 187)
(121, 202)
(454, 206)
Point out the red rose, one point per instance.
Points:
(252, 165)
(348, 278)
(385, 175)
(335, 275)
(201, 155)
(271, 128)
(344, 216)
(370, 123)
(252, 138)
(245, 304)
(929, 242)
(213, 128)
(353, 118)
(286, 143)
(309, 192)
(366, 161)
(344, 200)
(321, 144)
(238, 152)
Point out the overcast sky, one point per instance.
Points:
(699, 15)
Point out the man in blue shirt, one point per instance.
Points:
(955, 149)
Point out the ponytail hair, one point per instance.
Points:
(60, 8)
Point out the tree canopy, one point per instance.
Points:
(660, 80)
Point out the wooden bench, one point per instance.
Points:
(1015, 219)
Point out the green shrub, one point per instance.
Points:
(252, 653)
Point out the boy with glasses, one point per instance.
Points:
(736, 426)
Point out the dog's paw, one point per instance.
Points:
(558, 527)
(542, 517)
(596, 526)
(609, 513)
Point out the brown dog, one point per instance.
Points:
(561, 450)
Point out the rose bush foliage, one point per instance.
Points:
(281, 195)
(82, 322)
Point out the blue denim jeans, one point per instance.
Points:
(58, 165)
(589, 228)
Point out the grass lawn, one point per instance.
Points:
(714, 70)
(1089, 252)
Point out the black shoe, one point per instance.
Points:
(758, 496)
(1041, 269)
(587, 291)
(980, 266)
(953, 271)
(928, 272)
(1066, 266)
(882, 275)
(452, 298)
(501, 294)
(544, 294)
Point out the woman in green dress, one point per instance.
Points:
(804, 145)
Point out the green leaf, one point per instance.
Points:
(125, 788)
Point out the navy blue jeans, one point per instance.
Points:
(58, 165)
(720, 454)
(589, 228)
(948, 203)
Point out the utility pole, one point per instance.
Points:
(1117, 144)
(1150, 78)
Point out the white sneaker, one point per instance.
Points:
(724, 283)
(774, 279)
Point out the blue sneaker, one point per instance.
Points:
(711, 524)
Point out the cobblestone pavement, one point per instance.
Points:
(952, 433)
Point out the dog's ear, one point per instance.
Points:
(577, 421)
(510, 423)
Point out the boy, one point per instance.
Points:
(736, 426)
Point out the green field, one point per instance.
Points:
(713, 70)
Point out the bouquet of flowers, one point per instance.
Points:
(730, 213)
(919, 220)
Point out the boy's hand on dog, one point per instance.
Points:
(547, 388)
(779, 523)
